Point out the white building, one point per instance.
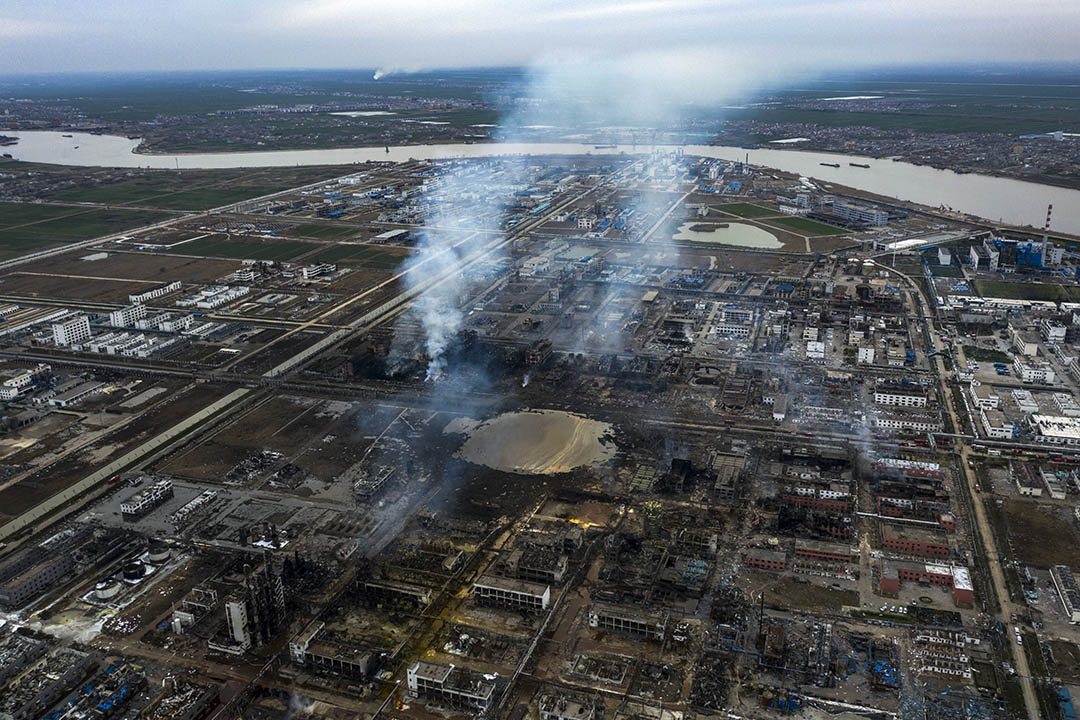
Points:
(236, 618)
(1025, 401)
(1068, 593)
(899, 399)
(1033, 372)
(127, 316)
(866, 355)
(146, 500)
(995, 425)
(1055, 429)
(984, 396)
(515, 593)
(1025, 343)
(21, 380)
(72, 332)
(1066, 404)
(860, 213)
(1052, 331)
(944, 256)
(907, 422)
(157, 292)
(815, 351)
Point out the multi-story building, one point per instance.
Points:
(771, 560)
(1025, 342)
(900, 398)
(1067, 590)
(956, 577)
(146, 500)
(73, 331)
(1052, 330)
(1055, 429)
(983, 395)
(155, 293)
(448, 684)
(1035, 371)
(996, 426)
(628, 621)
(521, 594)
(866, 354)
(21, 380)
(127, 316)
(913, 540)
(860, 213)
(907, 422)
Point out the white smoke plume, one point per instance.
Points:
(650, 92)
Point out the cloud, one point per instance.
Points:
(47, 35)
(14, 28)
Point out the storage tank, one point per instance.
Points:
(158, 553)
(134, 571)
(107, 589)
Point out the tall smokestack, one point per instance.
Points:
(1046, 233)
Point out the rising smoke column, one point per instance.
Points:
(647, 91)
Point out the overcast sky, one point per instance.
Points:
(63, 35)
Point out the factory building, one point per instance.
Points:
(894, 572)
(1067, 591)
(521, 594)
(21, 380)
(1055, 429)
(155, 293)
(628, 621)
(914, 541)
(561, 707)
(19, 589)
(317, 650)
(72, 332)
(73, 395)
(146, 500)
(771, 560)
(448, 684)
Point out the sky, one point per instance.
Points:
(759, 36)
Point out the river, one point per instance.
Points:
(996, 199)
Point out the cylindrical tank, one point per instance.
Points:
(158, 553)
(106, 589)
(134, 570)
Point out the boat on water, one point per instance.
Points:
(830, 164)
(862, 165)
(604, 147)
(65, 136)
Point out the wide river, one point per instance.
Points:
(996, 199)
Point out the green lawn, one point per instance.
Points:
(20, 213)
(745, 210)
(272, 249)
(979, 354)
(809, 227)
(205, 198)
(1026, 291)
(67, 225)
(324, 231)
(376, 258)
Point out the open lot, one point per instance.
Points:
(1042, 535)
